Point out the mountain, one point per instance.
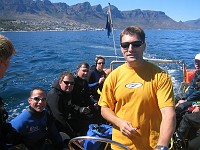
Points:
(45, 15)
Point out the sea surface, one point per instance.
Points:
(42, 56)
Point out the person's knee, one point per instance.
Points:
(194, 144)
(65, 138)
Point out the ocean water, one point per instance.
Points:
(42, 56)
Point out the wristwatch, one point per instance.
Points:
(160, 147)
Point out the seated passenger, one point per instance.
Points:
(36, 125)
(96, 77)
(193, 93)
(189, 127)
(81, 98)
(59, 98)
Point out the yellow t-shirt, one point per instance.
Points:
(137, 95)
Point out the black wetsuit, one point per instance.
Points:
(189, 128)
(192, 94)
(94, 82)
(64, 111)
(94, 86)
(81, 98)
(8, 135)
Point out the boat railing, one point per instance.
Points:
(182, 86)
(183, 81)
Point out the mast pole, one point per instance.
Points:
(114, 45)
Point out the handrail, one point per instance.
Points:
(155, 61)
(78, 140)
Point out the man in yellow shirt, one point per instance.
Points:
(138, 99)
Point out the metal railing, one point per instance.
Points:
(78, 143)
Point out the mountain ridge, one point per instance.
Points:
(45, 15)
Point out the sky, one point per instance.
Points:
(178, 10)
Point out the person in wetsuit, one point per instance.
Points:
(189, 127)
(96, 77)
(81, 98)
(59, 98)
(36, 124)
(185, 100)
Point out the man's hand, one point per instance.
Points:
(196, 108)
(180, 102)
(101, 80)
(126, 127)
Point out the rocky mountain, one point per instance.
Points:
(45, 15)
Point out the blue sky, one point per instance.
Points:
(183, 10)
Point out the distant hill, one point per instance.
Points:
(45, 15)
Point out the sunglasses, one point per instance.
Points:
(38, 99)
(197, 61)
(134, 44)
(68, 82)
(101, 63)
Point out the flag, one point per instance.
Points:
(108, 23)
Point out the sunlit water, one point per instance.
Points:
(42, 56)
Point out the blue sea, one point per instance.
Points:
(42, 56)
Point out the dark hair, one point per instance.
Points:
(6, 48)
(93, 67)
(37, 88)
(83, 65)
(133, 30)
(62, 75)
(99, 57)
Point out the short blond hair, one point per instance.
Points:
(6, 48)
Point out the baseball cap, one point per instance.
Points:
(197, 56)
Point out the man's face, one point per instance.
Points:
(132, 48)
(3, 67)
(197, 64)
(100, 64)
(37, 100)
(83, 72)
(67, 84)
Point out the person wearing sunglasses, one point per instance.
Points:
(185, 100)
(96, 80)
(59, 99)
(137, 98)
(96, 77)
(36, 124)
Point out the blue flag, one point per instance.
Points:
(108, 23)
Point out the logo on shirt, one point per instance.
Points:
(133, 85)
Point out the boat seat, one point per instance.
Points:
(77, 143)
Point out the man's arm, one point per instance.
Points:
(125, 126)
(167, 126)
(194, 96)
